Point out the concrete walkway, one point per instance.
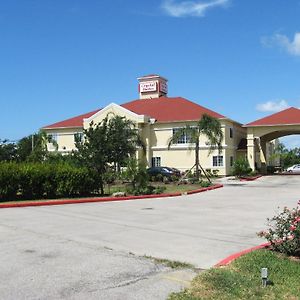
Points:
(91, 251)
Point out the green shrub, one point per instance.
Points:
(159, 190)
(44, 180)
(241, 167)
(205, 184)
(9, 180)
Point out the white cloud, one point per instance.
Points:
(190, 8)
(272, 106)
(290, 46)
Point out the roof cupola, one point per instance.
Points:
(152, 86)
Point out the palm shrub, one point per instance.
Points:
(136, 174)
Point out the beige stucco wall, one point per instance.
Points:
(64, 138)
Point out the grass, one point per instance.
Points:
(173, 264)
(170, 187)
(241, 279)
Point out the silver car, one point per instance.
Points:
(294, 169)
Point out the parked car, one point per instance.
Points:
(165, 172)
(294, 169)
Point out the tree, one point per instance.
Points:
(207, 126)
(34, 147)
(111, 141)
(8, 150)
(288, 157)
(124, 140)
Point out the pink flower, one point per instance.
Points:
(291, 237)
(292, 228)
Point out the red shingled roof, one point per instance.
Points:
(72, 122)
(163, 109)
(285, 117)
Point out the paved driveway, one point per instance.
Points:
(92, 251)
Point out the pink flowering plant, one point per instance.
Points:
(284, 231)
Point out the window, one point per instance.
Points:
(78, 137)
(183, 139)
(231, 132)
(218, 161)
(156, 161)
(231, 161)
(52, 137)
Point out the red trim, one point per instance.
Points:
(234, 256)
(104, 199)
(250, 178)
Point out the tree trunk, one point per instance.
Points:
(197, 159)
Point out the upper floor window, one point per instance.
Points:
(183, 139)
(231, 132)
(52, 137)
(218, 161)
(78, 137)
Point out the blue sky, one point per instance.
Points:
(61, 58)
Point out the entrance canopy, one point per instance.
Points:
(259, 132)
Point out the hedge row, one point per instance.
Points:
(42, 180)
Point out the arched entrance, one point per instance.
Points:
(262, 131)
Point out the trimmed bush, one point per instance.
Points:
(44, 180)
(9, 180)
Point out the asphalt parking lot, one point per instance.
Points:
(96, 250)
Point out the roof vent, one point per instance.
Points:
(152, 86)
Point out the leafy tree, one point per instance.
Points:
(207, 126)
(8, 151)
(287, 157)
(112, 141)
(124, 139)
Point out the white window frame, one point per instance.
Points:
(218, 161)
(184, 139)
(156, 161)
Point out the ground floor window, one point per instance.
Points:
(156, 161)
(218, 161)
(231, 161)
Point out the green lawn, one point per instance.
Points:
(241, 279)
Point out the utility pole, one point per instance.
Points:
(32, 142)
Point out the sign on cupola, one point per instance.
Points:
(152, 86)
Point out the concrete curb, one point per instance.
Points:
(234, 256)
(104, 199)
